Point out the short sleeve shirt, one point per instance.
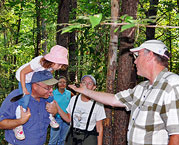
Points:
(62, 99)
(154, 110)
(81, 113)
(35, 66)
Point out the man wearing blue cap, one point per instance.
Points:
(154, 103)
(36, 118)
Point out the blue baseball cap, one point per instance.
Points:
(91, 77)
(45, 77)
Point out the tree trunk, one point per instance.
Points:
(63, 17)
(38, 39)
(16, 42)
(126, 72)
(150, 32)
(44, 36)
(111, 71)
(72, 46)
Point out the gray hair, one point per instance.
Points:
(160, 59)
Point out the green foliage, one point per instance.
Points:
(127, 26)
(92, 36)
(95, 20)
(78, 23)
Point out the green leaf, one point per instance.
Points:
(83, 17)
(124, 16)
(127, 26)
(177, 16)
(128, 19)
(70, 28)
(116, 30)
(95, 20)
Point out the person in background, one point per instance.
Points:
(35, 120)
(86, 117)
(62, 96)
(55, 60)
(154, 103)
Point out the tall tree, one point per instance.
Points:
(111, 70)
(62, 17)
(72, 44)
(38, 39)
(44, 36)
(151, 13)
(126, 72)
(16, 42)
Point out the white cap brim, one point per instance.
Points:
(136, 49)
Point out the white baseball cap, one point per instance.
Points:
(91, 77)
(155, 46)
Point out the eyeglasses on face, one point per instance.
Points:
(46, 88)
(61, 82)
(87, 83)
(135, 55)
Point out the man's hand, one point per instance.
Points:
(12, 123)
(52, 108)
(79, 90)
(26, 91)
(24, 115)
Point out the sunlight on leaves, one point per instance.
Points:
(124, 27)
(95, 20)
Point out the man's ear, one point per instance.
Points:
(150, 56)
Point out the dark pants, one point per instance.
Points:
(81, 139)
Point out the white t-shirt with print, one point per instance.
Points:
(81, 113)
(35, 66)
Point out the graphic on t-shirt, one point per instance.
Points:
(80, 117)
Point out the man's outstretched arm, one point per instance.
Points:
(102, 97)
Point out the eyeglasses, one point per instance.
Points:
(62, 82)
(46, 88)
(85, 83)
(135, 54)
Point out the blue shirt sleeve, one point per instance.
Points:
(7, 109)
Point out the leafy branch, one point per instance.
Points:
(124, 22)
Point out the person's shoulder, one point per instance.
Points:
(73, 97)
(36, 59)
(142, 84)
(99, 104)
(68, 91)
(172, 78)
(55, 91)
(7, 102)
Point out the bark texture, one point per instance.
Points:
(111, 71)
(126, 72)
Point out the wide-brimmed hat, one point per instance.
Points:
(45, 77)
(155, 46)
(58, 54)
